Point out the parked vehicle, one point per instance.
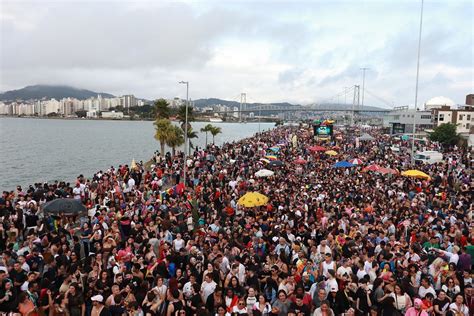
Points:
(429, 157)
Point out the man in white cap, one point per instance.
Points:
(98, 308)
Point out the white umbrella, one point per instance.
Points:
(264, 173)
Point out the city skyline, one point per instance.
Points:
(274, 51)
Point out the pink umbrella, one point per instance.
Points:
(356, 161)
(388, 171)
(373, 167)
(316, 148)
(300, 161)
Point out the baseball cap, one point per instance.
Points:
(97, 298)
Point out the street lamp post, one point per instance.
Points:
(186, 131)
(416, 89)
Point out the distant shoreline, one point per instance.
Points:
(125, 119)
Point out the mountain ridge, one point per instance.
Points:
(58, 92)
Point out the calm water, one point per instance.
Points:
(39, 150)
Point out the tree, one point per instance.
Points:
(206, 129)
(162, 109)
(163, 132)
(445, 134)
(175, 138)
(181, 114)
(191, 134)
(214, 131)
(81, 113)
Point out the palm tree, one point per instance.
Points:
(163, 129)
(206, 129)
(191, 134)
(176, 138)
(162, 109)
(214, 131)
(181, 115)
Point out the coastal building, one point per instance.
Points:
(470, 99)
(400, 120)
(463, 117)
(112, 115)
(128, 101)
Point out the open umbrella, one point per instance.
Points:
(271, 157)
(331, 153)
(356, 161)
(264, 173)
(253, 199)
(300, 161)
(275, 149)
(275, 163)
(415, 174)
(372, 167)
(264, 160)
(68, 207)
(388, 171)
(316, 148)
(343, 164)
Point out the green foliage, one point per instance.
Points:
(163, 131)
(445, 134)
(175, 138)
(206, 129)
(181, 114)
(214, 131)
(191, 134)
(162, 109)
(81, 113)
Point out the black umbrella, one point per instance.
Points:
(275, 163)
(67, 207)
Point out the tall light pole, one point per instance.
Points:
(363, 83)
(416, 88)
(186, 131)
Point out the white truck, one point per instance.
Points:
(428, 157)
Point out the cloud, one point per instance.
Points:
(272, 50)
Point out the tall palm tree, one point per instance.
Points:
(163, 130)
(191, 134)
(162, 109)
(214, 131)
(181, 115)
(176, 138)
(206, 129)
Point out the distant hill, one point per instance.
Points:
(213, 101)
(49, 92)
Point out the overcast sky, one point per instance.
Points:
(296, 51)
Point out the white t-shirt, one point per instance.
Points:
(207, 289)
(178, 244)
(343, 270)
(422, 291)
(463, 309)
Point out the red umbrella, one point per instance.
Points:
(300, 161)
(316, 148)
(356, 161)
(373, 167)
(388, 171)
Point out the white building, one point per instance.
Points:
(400, 120)
(463, 117)
(112, 115)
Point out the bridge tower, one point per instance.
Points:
(355, 103)
(243, 104)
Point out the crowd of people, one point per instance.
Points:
(330, 241)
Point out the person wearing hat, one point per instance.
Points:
(416, 309)
(98, 308)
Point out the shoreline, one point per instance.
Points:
(125, 119)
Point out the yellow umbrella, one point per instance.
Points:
(253, 199)
(271, 157)
(416, 174)
(133, 165)
(264, 160)
(331, 153)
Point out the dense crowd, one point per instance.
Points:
(331, 241)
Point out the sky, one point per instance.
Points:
(274, 51)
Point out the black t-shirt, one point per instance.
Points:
(363, 302)
(440, 304)
(304, 309)
(18, 277)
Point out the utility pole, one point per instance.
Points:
(416, 88)
(186, 131)
(243, 101)
(355, 103)
(363, 83)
